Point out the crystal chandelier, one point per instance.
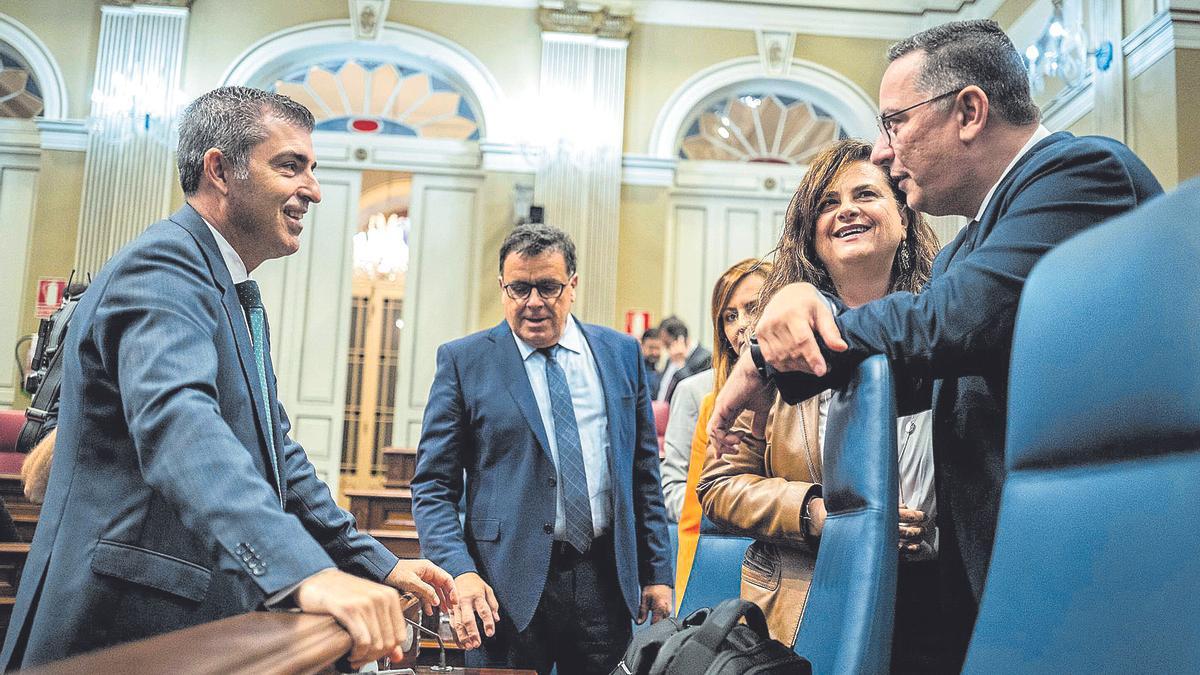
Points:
(381, 250)
(1059, 52)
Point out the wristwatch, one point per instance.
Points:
(760, 364)
(806, 521)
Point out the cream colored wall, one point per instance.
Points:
(506, 40)
(1084, 126)
(662, 58)
(55, 222)
(71, 31)
(1187, 120)
(1011, 10)
(1150, 120)
(642, 252)
(495, 224)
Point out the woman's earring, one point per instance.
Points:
(905, 259)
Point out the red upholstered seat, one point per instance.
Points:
(11, 422)
(662, 410)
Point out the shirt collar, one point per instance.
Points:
(1040, 133)
(237, 268)
(571, 340)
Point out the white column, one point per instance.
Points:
(579, 177)
(130, 157)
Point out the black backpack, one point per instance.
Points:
(44, 380)
(711, 642)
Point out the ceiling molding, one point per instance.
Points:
(872, 19)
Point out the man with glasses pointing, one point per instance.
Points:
(960, 134)
(563, 538)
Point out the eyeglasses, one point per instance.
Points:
(547, 290)
(886, 125)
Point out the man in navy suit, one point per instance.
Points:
(177, 495)
(960, 134)
(548, 419)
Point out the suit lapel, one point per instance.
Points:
(512, 371)
(190, 220)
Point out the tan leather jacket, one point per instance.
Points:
(760, 491)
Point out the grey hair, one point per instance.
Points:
(961, 53)
(232, 120)
(533, 239)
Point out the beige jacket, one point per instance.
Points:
(760, 491)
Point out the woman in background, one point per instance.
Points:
(734, 301)
(848, 232)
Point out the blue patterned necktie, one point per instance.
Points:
(577, 509)
(256, 317)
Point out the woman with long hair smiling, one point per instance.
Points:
(848, 232)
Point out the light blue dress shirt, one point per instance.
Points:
(587, 397)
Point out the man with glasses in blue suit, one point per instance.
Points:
(961, 135)
(548, 420)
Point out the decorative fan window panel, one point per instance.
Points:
(20, 96)
(373, 97)
(759, 127)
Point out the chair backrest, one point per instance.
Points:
(1096, 555)
(11, 422)
(847, 624)
(716, 569)
(662, 411)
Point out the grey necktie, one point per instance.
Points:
(577, 510)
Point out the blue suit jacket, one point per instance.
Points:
(163, 509)
(482, 418)
(956, 334)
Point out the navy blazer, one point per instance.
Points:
(163, 509)
(482, 420)
(956, 334)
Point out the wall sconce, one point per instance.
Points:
(1059, 52)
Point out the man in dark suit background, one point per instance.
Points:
(960, 133)
(564, 537)
(684, 358)
(177, 495)
(652, 353)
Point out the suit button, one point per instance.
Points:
(552, 482)
(548, 528)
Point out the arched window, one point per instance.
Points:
(765, 121)
(20, 93)
(362, 96)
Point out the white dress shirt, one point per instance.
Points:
(587, 397)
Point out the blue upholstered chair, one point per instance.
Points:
(716, 569)
(853, 595)
(1096, 564)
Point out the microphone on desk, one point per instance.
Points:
(441, 667)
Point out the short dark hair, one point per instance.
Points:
(232, 120)
(673, 328)
(650, 334)
(534, 238)
(961, 53)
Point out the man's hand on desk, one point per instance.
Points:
(371, 613)
(433, 585)
(475, 598)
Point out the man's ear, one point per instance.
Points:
(217, 170)
(971, 109)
